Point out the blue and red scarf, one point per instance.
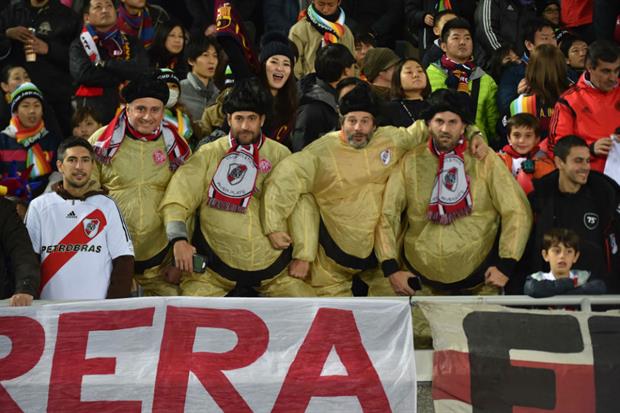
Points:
(140, 26)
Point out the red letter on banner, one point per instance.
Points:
(176, 358)
(27, 342)
(332, 328)
(70, 365)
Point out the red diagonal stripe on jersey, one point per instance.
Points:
(55, 260)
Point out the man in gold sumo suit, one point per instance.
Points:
(224, 180)
(346, 172)
(137, 154)
(468, 220)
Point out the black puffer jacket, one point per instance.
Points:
(109, 77)
(317, 113)
(19, 266)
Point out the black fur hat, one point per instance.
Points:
(145, 88)
(360, 98)
(447, 100)
(248, 95)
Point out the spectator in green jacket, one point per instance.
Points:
(456, 70)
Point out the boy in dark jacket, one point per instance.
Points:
(561, 251)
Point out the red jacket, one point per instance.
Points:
(576, 12)
(542, 166)
(588, 112)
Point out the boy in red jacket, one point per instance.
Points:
(522, 155)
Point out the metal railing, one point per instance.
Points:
(585, 302)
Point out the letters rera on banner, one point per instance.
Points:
(197, 354)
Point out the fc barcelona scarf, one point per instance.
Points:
(332, 31)
(37, 159)
(228, 23)
(451, 198)
(113, 41)
(140, 26)
(234, 181)
(112, 137)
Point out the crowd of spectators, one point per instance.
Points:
(341, 84)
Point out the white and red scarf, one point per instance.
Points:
(451, 198)
(234, 181)
(111, 139)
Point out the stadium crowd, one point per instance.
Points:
(309, 148)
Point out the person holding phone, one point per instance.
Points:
(223, 184)
(468, 220)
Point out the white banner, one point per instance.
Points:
(182, 354)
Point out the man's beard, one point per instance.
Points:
(254, 135)
(443, 146)
(358, 145)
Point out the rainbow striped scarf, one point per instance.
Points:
(36, 157)
(331, 31)
(524, 104)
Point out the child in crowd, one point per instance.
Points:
(85, 122)
(522, 154)
(561, 251)
(434, 52)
